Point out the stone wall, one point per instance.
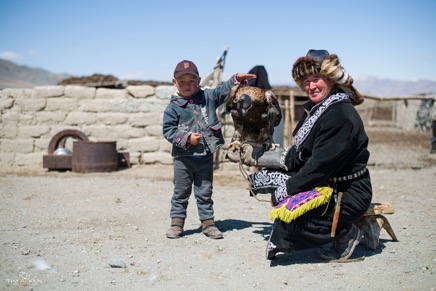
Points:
(29, 118)
(132, 117)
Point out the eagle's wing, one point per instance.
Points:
(272, 118)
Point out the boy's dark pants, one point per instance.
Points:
(190, 171)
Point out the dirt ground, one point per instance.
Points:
(63, 230)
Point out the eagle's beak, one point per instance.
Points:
(244, 101)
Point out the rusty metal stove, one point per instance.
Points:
(86, 157)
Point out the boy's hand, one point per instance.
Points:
(194, 138)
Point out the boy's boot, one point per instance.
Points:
(210, 230)
(176, 229)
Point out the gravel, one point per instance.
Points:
(106, 231)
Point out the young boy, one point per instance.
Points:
(191, 124)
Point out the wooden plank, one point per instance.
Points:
(286, 127)
(380, 208)
(396, 98)
(292, 113)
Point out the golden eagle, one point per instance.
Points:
(255, 113)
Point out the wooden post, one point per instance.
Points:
(433, 138)
(286, 125)
(292, 114)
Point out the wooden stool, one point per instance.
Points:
(372, 223)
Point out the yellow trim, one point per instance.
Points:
(287, 216)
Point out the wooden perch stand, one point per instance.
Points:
(372, 223)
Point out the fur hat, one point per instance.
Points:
(322, 62)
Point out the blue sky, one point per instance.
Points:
(144, 40)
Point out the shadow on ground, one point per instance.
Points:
(261, 228)
(312, 256)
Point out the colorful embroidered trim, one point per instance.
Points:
(305, 129)
(297, 205)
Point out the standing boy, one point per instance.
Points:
(191, 124)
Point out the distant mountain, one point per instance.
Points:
(15, 76)
(386, 87)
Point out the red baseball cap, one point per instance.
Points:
(186, 67)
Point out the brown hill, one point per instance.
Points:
(16, 76)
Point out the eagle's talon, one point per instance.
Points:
(235, 146)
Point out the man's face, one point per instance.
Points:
(186, 85)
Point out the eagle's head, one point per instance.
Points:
(242, 104)
(242, 98)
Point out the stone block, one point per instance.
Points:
(27, 119)
(16, 145)
(142, 91)
(33, 131)
(47, 117)
(158, 157)
(9, 131)
(122, 144)
(6, 159)
(16, 93)
(6, 103)
(145, 144)
(99, 132)
(81, 118)
(11, 117)
(95, 105)
(62, 104)
(165, 146)
(47, 91)
(128, 106)
(31, 105)
(79, 92)
(132, 106)
(112, 118)
(41, 144)
(135, 158)
(154, 130)
(146, 119)
(118, 106)
(165, 91)
(104, 93)
(152, 105)
(127, 132)
(29, 159)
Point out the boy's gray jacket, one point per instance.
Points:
(197, 114)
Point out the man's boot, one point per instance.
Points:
(176, 229)
(210, 230)
(343, 246)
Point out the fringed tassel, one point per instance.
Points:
(287, 215)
